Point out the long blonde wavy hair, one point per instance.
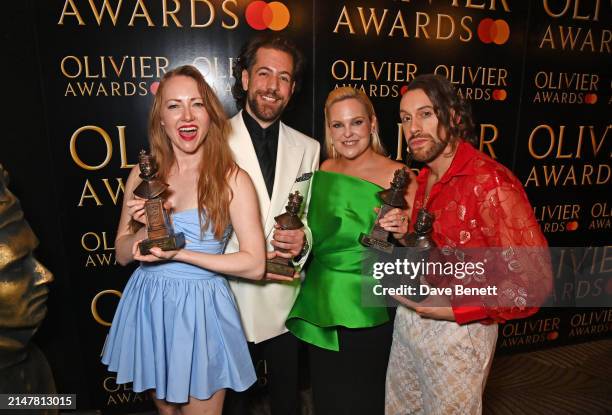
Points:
(344, 93)
(217, 165)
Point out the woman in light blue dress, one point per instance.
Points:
(176, 331)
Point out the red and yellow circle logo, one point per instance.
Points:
(590, 98)
(493, 31)
(571, 226)
(499, 94)
(261, 15)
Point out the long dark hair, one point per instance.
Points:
(246, 60)
(447, 102)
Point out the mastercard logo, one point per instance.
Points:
(493, 31)
(261, 15)
(590, 98)
(571, 226)
(553, 335)
(499, 94)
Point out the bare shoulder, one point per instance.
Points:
(388, 166)
(327, 165)
(239, 178)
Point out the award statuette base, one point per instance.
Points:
(280, 266)
(167, 243)
(371, 242)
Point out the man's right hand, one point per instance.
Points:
(276, 277)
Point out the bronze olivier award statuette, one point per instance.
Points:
(421, 243)
(159, 229)
(392, 198)
(287, 221)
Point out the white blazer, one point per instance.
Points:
(264, 305)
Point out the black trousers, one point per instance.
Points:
(276, 364)
(352, 381)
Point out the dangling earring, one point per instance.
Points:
(408, 156)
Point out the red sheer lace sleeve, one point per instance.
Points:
(520, 264)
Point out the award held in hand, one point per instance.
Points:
(420, 243)
(392, 198)
(159, 229)
(289, 220)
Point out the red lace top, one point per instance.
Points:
(480, 203)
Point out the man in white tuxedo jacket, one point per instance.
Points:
(280, 160)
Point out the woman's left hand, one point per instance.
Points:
(156, 254)
(436, 307)
(394, 221)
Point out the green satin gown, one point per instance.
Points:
(341, 208)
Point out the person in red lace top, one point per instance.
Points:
(441, 353)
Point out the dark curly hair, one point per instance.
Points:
(446, 100)
(246, 59)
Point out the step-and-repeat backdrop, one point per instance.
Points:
(537, 74)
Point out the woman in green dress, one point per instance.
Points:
(348, 342)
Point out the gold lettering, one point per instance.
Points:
(606, 37)
(211, 9)
(575, 15)
(94, 306)
(420, 25)
(597, 147)
(398, 23)
(400, 142)
(344, 20)
(144, 13)
(552, 14)
(86, 245)
(533, 176)
(560, 145)
(229, 13)
(569, 37)
(120, 189)
(373, 18)
(467, 29)
(74, 12)
(346, 70)
(548, 37)
(439, 27)
(107, 142)
(470, 5)
(166, 13)
(63, 66)
(551, 135)
(484, 142)
(105, 7)
(92, 194)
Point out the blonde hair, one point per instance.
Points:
(344, 93)
(217, 165)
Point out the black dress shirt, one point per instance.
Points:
(265, 142)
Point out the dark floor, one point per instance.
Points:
(568, 380)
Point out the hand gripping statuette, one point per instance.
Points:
(419, 244)
(289, 220)
(392, 197)
(159, 229)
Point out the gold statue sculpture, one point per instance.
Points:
(23, 297)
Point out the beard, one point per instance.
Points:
(430, 153)
(265, 112)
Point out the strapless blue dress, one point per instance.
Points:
(177, 329)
